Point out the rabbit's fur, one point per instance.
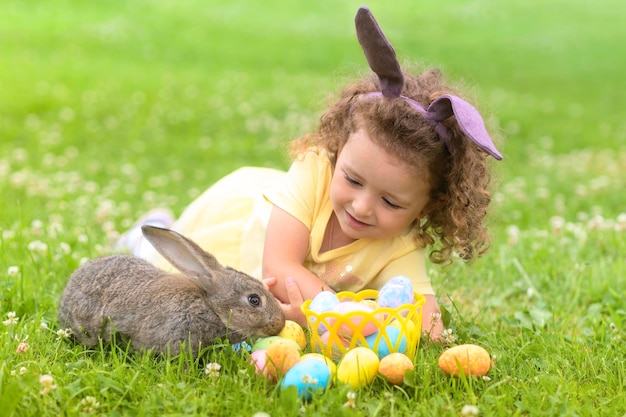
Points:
(159, 310)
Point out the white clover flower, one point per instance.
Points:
(65, 248)
(213, 369)
(37, 246)
(469, 411)
(557, 223)
(64, 333)
(351, 403)
(89, 404)
(47, 382)
(20, 371)
(435, 318)
(13, 271)
(308, 379)
(8, 234)
(11, 318)
(37, 227)
(448, 336)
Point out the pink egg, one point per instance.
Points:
(258, 358)
(333, 346)
(359, 314)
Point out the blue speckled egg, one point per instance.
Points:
(396, 292)
(308, 376)
(395, 342)
(323, 302)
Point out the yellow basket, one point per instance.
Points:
(333, 334)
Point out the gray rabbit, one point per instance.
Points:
(159, 310)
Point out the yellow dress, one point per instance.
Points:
(230, 218)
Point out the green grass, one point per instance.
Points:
(108, 109)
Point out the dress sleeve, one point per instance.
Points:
(296, 193)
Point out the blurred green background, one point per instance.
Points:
(170, 95)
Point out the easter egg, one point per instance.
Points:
(318, 356)
(356, 317)
(323, 302)
(396, 292)
(263, 343)
(408, 327)
(241, 346)
(281, 355)
(294, 331)
(467, 359)
(308, 376)
(258, 360)
(393, 367)
(332, 345)
(394, 342)
(358, 367)
(370, 303)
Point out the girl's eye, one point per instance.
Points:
(351, 180)
(390, 204)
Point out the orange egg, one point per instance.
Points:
(281, 355)
(394, 366)
(467, 359)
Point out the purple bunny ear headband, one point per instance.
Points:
(381, 58)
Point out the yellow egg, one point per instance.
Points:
(281, 355)
(295, 332)
(358, 367)
(394, 366)
(331, 365)
(467, 359)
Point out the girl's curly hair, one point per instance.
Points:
(458, 177)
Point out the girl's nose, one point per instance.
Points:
(362, 207)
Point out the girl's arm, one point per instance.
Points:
(286, 246)
(432, 324)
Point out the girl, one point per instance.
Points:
(397, 165)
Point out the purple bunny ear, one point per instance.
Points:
(379, 53)
(469, 119)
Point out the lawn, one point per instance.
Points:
(108, 109)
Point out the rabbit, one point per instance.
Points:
(158, 310)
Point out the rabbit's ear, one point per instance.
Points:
(185, 255)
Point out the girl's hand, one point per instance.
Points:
(292, 308)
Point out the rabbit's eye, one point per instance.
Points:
(254, 300)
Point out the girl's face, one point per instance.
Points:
(374, 194)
